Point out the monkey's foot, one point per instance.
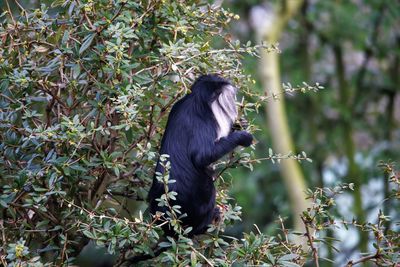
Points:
(217, 217)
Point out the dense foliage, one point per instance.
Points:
(85, 89)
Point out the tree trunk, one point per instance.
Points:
(276, 114)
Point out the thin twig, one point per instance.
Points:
(9, 11)
(64, 249)
(2, 258)
(284, 230)
(310, 240)
(201, 255)
(363, 259)
(3, 235)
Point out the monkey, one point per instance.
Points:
(198, 133)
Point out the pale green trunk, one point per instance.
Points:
(276, 113)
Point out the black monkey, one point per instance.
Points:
(198, 133)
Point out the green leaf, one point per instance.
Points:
(78, 167)
(193, 258)
(89, 234)
(164, 245)
(57, 3)
(4, 204)
(289, 257)
(87, 41)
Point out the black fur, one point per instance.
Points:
(190, 141)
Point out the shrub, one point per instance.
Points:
(86, 87)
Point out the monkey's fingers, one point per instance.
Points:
(240, 124)
(243, 123)
(217, 216)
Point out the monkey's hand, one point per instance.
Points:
(240, 124)
(245, 138)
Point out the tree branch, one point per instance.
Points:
(310, 240)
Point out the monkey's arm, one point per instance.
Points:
(209, 153)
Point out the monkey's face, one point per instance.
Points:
(220, 95)
(226, 100)
(224, 109)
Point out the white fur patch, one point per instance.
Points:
(224, 110)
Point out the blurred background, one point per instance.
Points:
(352, 48)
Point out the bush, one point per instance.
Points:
(85, 89)
(85, 92)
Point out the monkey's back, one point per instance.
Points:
(187, 127)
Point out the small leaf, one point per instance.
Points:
(289, 257)
(87, 41)
(4, 204)
(193, 259)
(89, 234)
(351, 186)
(57, 3)
(41, 49)
(65, 37)
(164, 245)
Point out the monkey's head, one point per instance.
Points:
(209, 88)
(220, 95)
